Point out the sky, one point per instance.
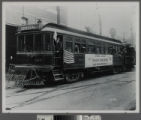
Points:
(122, 16)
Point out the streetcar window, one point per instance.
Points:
(47, 42)
(114, 49)
(80, 48)
(28, 43)
(38, 42)
(103, 50)
(20, 43)
(58, 43)
(98, 47)
(110, 49)
(80, 45)
(77, 49)
(83, 48)
(117, 49)
(91, 49)
(69, 46)
(98, 50)
(106, 48)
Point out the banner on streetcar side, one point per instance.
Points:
(97, 60)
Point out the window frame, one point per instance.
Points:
(51, 41)
(68, 38)
(42, 33)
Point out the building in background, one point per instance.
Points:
(16, 15)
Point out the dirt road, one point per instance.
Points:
(106, 92)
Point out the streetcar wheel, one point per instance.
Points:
(121, 69)
(115, 70)
(81, 75)
(72, 77)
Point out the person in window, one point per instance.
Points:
(58, 44)
(113, 52)
(76, 48)
(83, 49)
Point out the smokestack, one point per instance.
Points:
(99, 19)
(58, 14)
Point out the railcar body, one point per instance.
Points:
(54, 53)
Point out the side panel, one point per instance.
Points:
(35, 59)
(97, 60)
(118, 60)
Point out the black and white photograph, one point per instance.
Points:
(70, 57)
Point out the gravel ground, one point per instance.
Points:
(106, 92)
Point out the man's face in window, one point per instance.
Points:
(58, 40)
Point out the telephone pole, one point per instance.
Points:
(132, 36)
(99, 20)
(100, 25)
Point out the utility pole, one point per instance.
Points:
(99, 20)
(132, 36)
(100, 25)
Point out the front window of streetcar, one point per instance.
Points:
(38, 42)
(21, 43)
(34, 42)
(28, 45)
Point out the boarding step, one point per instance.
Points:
(58, 74)
(59, 79)
(57, 71)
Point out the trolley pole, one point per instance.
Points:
(24, 19)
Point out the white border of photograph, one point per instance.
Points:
(69, 111)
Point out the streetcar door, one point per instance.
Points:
(59, 50)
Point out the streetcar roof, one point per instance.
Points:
(65, 28)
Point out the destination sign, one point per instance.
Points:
(29, 27)
(94, 60)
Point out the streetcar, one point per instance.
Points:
(53, 53)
